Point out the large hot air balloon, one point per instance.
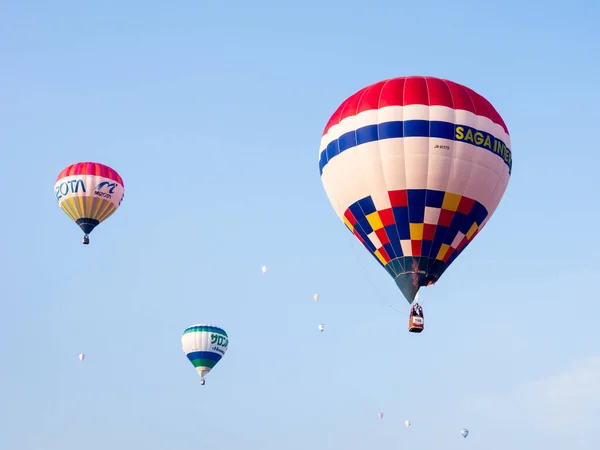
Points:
(89, 193)
(464, 432)
(204, 346)
(415, 167)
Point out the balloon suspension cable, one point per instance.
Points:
(381, 296)
(422, 302)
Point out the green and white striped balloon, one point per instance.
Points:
(204, 345)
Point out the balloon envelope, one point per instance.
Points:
(380, 415)
(81, 357)
(89, 193)
(464, 432)
(204, 345)
(316, 297)
(415, 167)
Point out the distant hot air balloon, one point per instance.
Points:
(415, 167)
(321, 327)
(264, 269)
(380, 415)
(204, 346)
(89, 193)
(81, 357)
(464, 432)
(316, 297)
(407, 423)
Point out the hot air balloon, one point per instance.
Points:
(204, 345)
(380, 415)
(264, 269)
(407, 423)
(464, 432)
(81, 357)
(415, 167)
(89, 193)
(321, 327)
(316, 297)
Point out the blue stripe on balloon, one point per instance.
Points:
(213, 356)
(400, 129)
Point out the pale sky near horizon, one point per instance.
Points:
(213, 114)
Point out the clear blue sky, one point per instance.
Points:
(212, 113)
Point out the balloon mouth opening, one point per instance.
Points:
(414, 272)
(409, 283)
(87, 224)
